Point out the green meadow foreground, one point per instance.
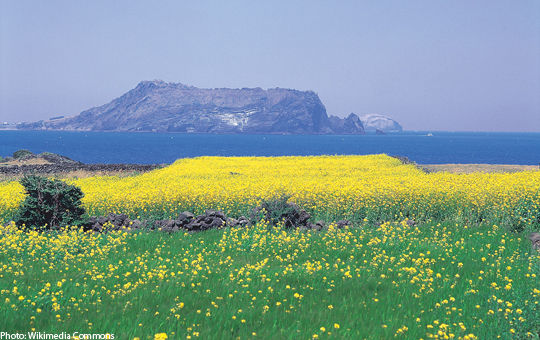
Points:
(459, 272)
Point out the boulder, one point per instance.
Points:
(342, 224)
(243, 221)
(210, 220)
(185, 217)
(318, 226)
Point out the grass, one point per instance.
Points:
(365, 282)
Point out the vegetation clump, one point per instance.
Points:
(22, 153)
(49, 203)
(279, 211)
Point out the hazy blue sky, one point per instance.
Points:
(431, 65)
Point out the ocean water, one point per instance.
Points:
(147, 148)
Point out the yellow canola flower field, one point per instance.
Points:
(357, 187)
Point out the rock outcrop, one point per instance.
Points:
(350, 125)
(172, 107)
(47, 163)
(211, 219)
(373, 122)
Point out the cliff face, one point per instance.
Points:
(350, 125)
(171, 107)
(374, 122)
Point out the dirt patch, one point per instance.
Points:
(470, 168)
(31, 161)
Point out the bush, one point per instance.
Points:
(50, 203)
(22, 153)
(278, 210)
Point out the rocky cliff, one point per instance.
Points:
(374, 122)
(349, 125)
(173, 107)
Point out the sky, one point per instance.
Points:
(455, 65)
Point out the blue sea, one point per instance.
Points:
(148, 148)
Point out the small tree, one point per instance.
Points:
(49, 203)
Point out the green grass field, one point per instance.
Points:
(426, 281)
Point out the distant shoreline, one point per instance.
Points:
(470, 168)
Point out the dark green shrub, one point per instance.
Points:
(50, 203)
(22, 153)
(278, 210)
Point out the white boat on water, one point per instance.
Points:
(429, 134)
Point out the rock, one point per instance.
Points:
(373, 122)
(346, 126)
(319, 225)
(232, 222)
(97, 227)
(179, 223)
(164, 225)
(116, 219)
(216, 223)
(214, 213)
(243, 221)
(240, 222)
(535, 241)
(342, 224)
(193, 226)
(112, 222)
(210, 220)
(303, 217)
(185, 217)
(169, 224)
(136, 224)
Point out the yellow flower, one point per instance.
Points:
(160, 336)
